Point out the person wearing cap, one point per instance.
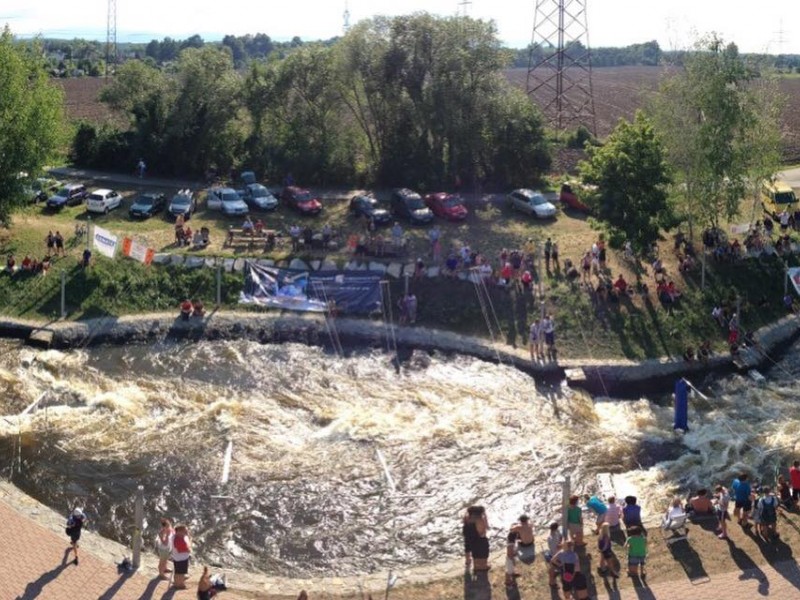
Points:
(75, 523)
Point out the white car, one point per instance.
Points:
(226, 200)
(532, 203)
(102, 201)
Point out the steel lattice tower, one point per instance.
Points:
(111, 36)
(560, 65)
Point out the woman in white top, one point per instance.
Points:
(675, 511)
(614, 513)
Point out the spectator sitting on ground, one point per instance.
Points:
(620, 286)
(197, 240)
(198, 310)
(571, 272)
(485, 271)
(247, 226)
(704, 352)
(187, 235)
(258, 226)
(11, 264)
(658, 267)
(700, 504)
(674, 292)
(674, 512)
(26, 263)
(686, 264)
(788, 302)
(451, 264)
(688, 354)
(419, 269)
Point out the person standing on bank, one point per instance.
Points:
(163, 547)
(75, 523)
(476, 545)
(181, 551)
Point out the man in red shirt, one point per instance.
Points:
(794, 479)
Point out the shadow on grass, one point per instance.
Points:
(477, 586)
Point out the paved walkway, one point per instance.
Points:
(33, 565)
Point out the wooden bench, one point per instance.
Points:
(238, 237)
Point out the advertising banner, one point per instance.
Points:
(137, 251)
(104, 241)
(342, 291)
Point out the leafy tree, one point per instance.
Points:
(630, 172)
(719, 124)
(32, 123)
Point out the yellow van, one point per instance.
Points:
(777, 197)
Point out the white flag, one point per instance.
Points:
(104, 241)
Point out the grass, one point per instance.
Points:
(638, 327)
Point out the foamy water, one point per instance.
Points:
(306, 493)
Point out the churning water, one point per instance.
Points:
(306, 493)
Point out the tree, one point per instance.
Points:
(719, 124)
(32, 125)
(630, 172)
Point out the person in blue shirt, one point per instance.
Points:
(599, 508)
(742, 501)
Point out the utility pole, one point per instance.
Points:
(560, 64)
(111, 37)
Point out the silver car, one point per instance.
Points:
(227, 201)
(531, 202)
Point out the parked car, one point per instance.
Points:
(568, 198)
(69, 195)
(259, 197)
(247, 177)
(182, 203)
(369, 207)
(41, 188)
(447, 206)
(227, 201)
(409, 205)
(103, 200)
(147, 204)
(301, 200)
(531, 202)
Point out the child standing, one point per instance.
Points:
(636, 545)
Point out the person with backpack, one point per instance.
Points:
(75, 523)
(567, 563)
(769, 514)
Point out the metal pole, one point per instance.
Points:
(138, 517)
(703, 276)
(539, 272)
(565, 494)
(407, 278)
(786, 282)
(219, 284)
(88, 231)
(63, 294)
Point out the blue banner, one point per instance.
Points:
(349, 292)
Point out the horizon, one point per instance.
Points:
(675, 25)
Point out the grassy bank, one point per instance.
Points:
(636, 327)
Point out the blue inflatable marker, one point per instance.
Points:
(681, 405)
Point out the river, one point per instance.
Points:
(306, 494)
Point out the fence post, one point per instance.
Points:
(63, 294)
(219, 284)
(138, 517)
(565, 494)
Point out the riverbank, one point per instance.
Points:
(614, 377)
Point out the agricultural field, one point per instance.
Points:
(618, 92)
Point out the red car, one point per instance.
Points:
(447, 206)
(301, 200)
(569, 199)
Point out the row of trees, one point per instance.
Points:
(414, 100)
(712, 132)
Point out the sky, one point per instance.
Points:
(771, 26)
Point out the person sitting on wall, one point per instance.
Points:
(186, 309)
(198, 310)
